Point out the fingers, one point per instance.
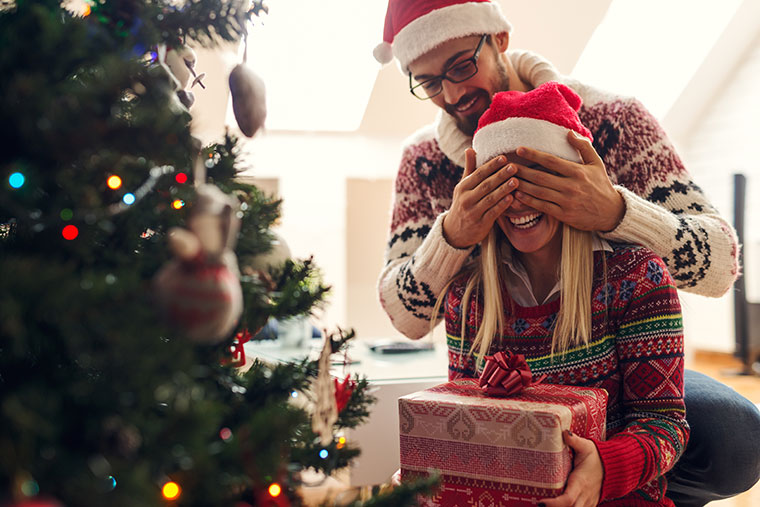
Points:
(584, 147)
(469, 162)
(472, 180)
(547, 207)
(548, 161)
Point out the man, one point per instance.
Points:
(631, 187)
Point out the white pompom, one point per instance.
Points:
(383, 53)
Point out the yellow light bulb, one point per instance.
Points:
(275, 490)
(171, 490)
(178, 203)
(113, 182)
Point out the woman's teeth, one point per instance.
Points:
(527, 221)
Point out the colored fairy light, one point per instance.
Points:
(111, 482)
(87, 10)
(129, 198)
(178, 203)
(113, 182)
(225, 434)
(323, 454)
(66, 214)
(274, 490)
(171, 490)
(294, 394)
(341, 443)
(70, 232)
(180, 178)
(30, 488)
(16, 180)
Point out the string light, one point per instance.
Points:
(87, 10)
(66, 214)
(225, 434)
(113, 182)
(274, 490)
(181, 178)
(294, 394)
(323, 454)
(129, 198)
(171, 490)
(70, 232)
(16, 180)
(30, 488)
(111, 481)
(178, 203)
(341, 443)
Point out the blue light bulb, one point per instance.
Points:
(16, 180)
(129, 198)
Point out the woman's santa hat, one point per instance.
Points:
(538, 119)
(414, 27)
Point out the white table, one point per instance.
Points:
(390, 376)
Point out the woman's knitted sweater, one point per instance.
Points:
(665, 210)
(635, 354)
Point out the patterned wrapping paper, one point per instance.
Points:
(495, 451)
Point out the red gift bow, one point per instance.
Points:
(506, 374)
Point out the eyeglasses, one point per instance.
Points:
(461, 71)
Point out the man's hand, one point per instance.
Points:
(580, 195)
(479, 198)
(584, 484)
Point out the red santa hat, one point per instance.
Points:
(414, 27)
(538, 119)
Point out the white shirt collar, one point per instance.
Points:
(518, 283)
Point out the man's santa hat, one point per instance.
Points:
(414, 27)
(538, 119)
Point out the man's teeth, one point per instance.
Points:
(467, 104)
(526, 221)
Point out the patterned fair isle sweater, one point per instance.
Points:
(635, 354)
(665, 210)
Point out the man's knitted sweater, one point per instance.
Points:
(665, 210)
(635, 353)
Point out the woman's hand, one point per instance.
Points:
(479, 198)
(584, 485)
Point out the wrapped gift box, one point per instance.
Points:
(496, 451)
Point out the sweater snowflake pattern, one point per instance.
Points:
(665, 210)
(635, 354)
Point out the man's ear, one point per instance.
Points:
(501, 40)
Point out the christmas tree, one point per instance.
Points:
(126, 283)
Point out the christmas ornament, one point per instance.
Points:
(248, 99)
(199, 291)
(237, 351)
(180, 64)
(326, 410)
(343, 392)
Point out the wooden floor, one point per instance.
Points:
(723, 367)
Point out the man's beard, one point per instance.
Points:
(469, 124)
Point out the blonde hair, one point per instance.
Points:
(487, 277)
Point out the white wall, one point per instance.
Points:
(724, 141)
(312, 170)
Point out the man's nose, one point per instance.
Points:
(452, 92)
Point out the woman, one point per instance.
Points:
(581, 310)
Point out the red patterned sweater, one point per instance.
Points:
(665, 210)
(635, 354)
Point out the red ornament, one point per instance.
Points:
(237, 351)
(343, 391)
(70, 232)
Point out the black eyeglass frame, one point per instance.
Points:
(473, 59)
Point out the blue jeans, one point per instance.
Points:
(722, 458)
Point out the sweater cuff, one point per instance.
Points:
(623, 462)
(436, 257)
(644, 223)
